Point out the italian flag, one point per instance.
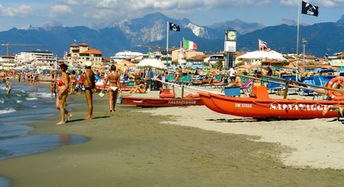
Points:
(187, 44)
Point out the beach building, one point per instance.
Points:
(309, 58)
(214, 58)
(181, 56)
(337, 60)
(7, 62)
(126, 55)
(79, 54)
(197, 60)
(36, 59)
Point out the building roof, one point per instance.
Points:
(310, 57)
(74, 45)
(38, 51)
(83, 45)
(341, 55)
(92, 51)
(199, 57)
(322, 59)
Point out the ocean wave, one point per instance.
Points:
(40, 95)
(31, 98)
(18, 101)
(6, 111)
(44, 95)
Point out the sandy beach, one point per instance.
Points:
(184, 146)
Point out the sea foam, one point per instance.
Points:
(31, 98)
(6, 111)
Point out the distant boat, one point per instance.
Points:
(161, 102)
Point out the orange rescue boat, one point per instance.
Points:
(260, 106)
(166, 99)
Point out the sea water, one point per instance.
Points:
(19, 111)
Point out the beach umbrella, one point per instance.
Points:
(126, 63)
(260, 55)
(151, 63)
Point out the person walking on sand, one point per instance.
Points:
(62, 94)
(73, 82)
(89, 85)
(114, 79)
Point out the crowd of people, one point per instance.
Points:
(64, 82)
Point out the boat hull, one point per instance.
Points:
(273, 108)
(206, 99)
(161, 102)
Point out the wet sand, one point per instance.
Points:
(188, 146)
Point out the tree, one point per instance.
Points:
(218, 65)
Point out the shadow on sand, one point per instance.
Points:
(82, 119)
(250, 120)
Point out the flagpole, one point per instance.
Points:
(298, 37)
(298, 27)
(167, 36)
(181, 43)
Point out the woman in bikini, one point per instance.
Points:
(62, 94)
(114, 79)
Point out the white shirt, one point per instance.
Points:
(231, 72)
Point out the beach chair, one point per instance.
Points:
(247, 87)
(232, 91)
(170, 78)
(185, 79)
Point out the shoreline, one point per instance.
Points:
(133, 147)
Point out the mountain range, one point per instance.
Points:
(142, 34)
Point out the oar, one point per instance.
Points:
(295, 82)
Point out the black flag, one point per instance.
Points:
(309, 9)
(174, 27)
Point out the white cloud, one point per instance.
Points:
(101, 9)
(61, 9)
(112, 10)
(19, 11)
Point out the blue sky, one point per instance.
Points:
(93, 13)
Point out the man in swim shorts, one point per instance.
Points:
(89, 85)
